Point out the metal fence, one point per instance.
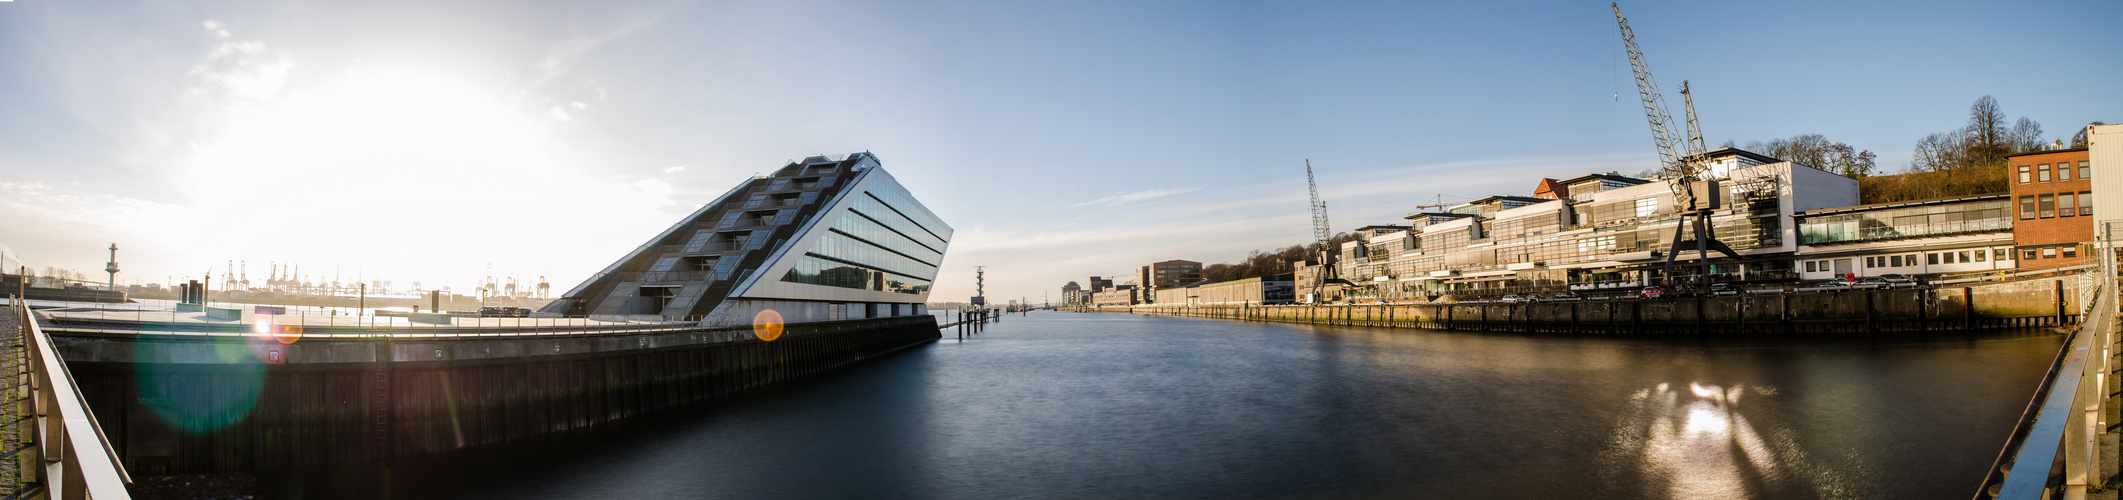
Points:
(62, 453)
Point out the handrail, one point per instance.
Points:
(2038, 454)
(83, 463)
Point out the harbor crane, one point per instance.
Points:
(1694, 196)
(1322, 233)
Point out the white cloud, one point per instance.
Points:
(673, 170)
(560, 113)
(565, 54)
(239, 73)
(1125, 198)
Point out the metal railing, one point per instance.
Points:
(2061, 441)
(76, 460)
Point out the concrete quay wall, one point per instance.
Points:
(198, 403)
(2043, 302)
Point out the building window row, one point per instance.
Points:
(2048, 206)
(2055, 252)
(1930, 258)
(2062, 172)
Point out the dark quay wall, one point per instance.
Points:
(184, 403)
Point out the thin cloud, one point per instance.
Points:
(1125, 198)
(676, 169)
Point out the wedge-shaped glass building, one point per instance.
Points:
(828, 238)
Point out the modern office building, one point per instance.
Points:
(1167, 274)
(1600, 231)
(1968, 234)
(2054, 197)
(824, 239)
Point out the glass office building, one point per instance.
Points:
(825, 239)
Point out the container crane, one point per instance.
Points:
(1694, 197)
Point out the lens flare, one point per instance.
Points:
(767, 325)
(288, 334)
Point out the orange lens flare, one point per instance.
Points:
(288, 334)
(767, 325)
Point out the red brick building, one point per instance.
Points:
(2053, 196)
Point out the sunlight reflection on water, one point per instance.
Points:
(1699, 445)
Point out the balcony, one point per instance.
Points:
(667, 276)
(706, 247)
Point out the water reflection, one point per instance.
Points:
(1697, 443)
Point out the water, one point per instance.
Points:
(1067, 405)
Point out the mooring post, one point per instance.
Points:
(1968, 308)
(2059, 295)
(1869, 326)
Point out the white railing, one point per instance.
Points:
(77, 460)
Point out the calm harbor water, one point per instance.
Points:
(1069, 405)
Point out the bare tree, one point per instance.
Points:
(2027, 136)
(1815, 150)
(1941, 151)
(2078, 140)
(1988, 139)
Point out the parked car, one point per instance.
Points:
(1833, 285)
(1567, 296)
(1652, 292)
(1871, 283)
(1511, 299)
(1724, 290)
(1899, 281)
(504, 312)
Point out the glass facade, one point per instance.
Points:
(1968, 217)
(884, 243)
(812, 270)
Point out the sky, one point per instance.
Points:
(442, 142)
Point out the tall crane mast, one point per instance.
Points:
(1695, 134)
(1321, 234)
(1684, 173)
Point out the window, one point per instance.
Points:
(2085, 171)
(2028, 254)
(1910, 260)
(2063, 171)
(2049, 253)
(2071, 252)
(2001, 253)
(2023, 174)
(1931, 258)
(2027, 207)
(2086, 203)
(1809, 266)
(1979, 254)
(2049, 205)
(2042, 172)
(2064, 205)
(1647, 207)
(1964, 257)
(1894, 261)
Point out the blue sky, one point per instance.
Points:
(416, 141)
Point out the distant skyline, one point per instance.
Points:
(416, 141)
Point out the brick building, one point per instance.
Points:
(2053, 199)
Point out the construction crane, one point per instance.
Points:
(1684, 173)
(1321, 234)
